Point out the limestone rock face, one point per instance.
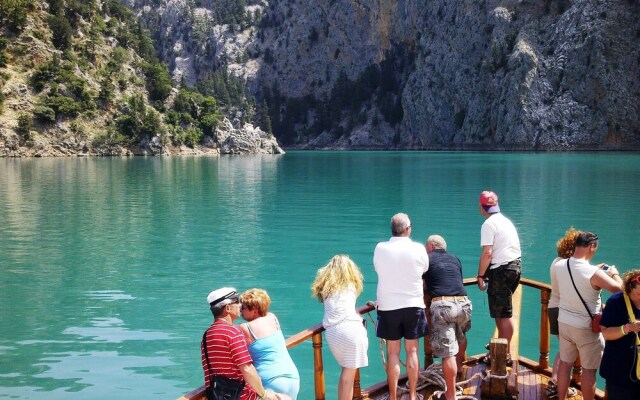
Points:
(483, 74)
(248, 140)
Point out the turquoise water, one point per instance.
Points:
(106, 262)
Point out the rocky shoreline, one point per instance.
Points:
(227, 140)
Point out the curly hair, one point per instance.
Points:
(628, 278)
(567, 244)
(339, 274)
(256, 299)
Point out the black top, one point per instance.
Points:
(618, 364)
(444, 277)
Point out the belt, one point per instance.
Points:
(450, 298)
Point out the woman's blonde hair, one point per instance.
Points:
(256, 299)
(339, 274)
(567, 244)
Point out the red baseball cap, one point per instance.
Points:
(489, 200)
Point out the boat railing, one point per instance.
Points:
(315, 334)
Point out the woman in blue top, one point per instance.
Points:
(267, 345)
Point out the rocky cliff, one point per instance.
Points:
(82, 78)
(415, 74)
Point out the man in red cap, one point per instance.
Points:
(499, 264)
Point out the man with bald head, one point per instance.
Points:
(400, 263)
(450, 310)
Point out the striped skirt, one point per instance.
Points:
(348, 343)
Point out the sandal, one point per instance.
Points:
(552, 389)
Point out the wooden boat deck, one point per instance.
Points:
(530, 384)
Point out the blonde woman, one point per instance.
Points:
(337, 286)
(266, 344)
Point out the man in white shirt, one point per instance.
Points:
(500, 263)
(400, 263)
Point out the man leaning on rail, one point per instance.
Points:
(450, 310)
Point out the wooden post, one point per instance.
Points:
(357, 394)
(496, 386)
(545, 344)
(318, 368)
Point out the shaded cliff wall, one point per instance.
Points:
(486, 74)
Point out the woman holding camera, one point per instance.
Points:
(579, 284)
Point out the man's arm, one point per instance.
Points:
(483, 265)
(253, 379)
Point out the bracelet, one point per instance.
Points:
(622, 329)
(264, 396)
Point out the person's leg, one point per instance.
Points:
(460, 357)
(393, 367)
(556, 365)
(564, 378)
(449, 370)
(413, 365)
(505, 329)
(345, 385)
(588, 384)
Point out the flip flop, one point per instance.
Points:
(551, 389)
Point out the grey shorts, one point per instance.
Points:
(450, 319)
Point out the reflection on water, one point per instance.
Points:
(112, 330)
(92, 372)
(105, 264)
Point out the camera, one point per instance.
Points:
(605, 267)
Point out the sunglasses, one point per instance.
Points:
(635, 280)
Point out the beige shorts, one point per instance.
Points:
(583, 342)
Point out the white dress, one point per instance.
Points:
(345, 333)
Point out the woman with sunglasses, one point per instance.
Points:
(619, 365)
(579, 284)
(267, 345)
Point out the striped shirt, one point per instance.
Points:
(227, 349)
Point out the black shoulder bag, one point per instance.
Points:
(222, 388)
(595, 318)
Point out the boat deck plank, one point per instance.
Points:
(531, 385)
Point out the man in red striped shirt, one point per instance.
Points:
(226, 348)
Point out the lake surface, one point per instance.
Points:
(106, 262)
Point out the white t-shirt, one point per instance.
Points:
(554, 301)
(498, 231)
(400, 263)
(572, 311)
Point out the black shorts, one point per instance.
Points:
(503, 281)
(408, 323)
(552, 314)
